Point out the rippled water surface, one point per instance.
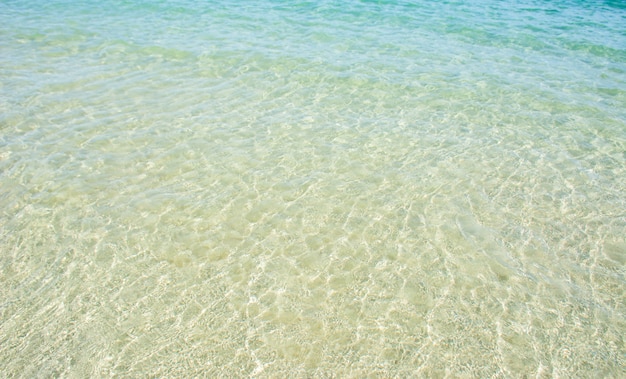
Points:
(312, 189)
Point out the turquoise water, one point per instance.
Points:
(312, 189)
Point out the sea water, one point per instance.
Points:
(283, 189)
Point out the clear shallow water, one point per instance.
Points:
(278, 189)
